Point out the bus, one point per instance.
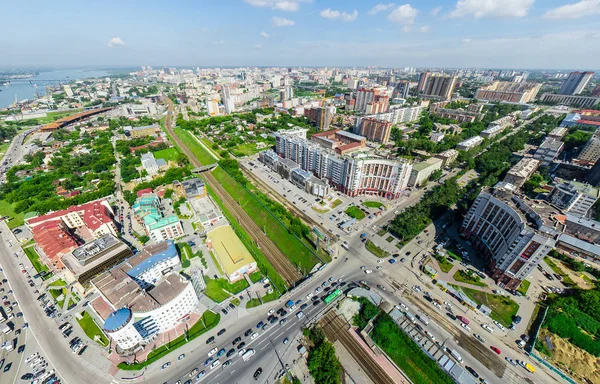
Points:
(332, 296)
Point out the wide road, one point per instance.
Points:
(71, 369)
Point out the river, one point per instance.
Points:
(24, 90)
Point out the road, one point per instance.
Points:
(15, 152)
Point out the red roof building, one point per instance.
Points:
(55, 240)
(143, 191)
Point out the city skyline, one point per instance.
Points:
(434, 33)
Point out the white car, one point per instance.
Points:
(437, 305)
(497, 324)
(241, 351)
(488, 328)
(215, 364)
(212, 352)
(254, 336)
(309, 296)
(403, 306)
(465, 326)
(367, 271)
(272, 311)
(447, 304)
(380, 261)
(430, 335)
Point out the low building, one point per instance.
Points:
(521, 171)
(309, 183)
(152, 165)
(148, 130)
(583, 248)
(548, 151)
(572, 100)
(436, 137)
(341, 141)
(583, 228)
(558, 133)
(590, 153)
(422, 171)
(91, 259)
(166, 228)
(469, 143)
(574, 197)
(232, 255)
(448, 157)
(190, 188)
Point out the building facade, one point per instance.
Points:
(376, 130)
(510, 92)
(575, 83)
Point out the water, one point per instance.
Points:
(24, 90)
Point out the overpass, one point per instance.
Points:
(204, 168)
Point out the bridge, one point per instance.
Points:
(204, 168)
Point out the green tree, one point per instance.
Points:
(323, 365)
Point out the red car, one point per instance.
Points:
(495, 349)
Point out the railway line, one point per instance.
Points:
(336, 328)
(279, 261)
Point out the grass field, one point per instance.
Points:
(419, 368)
(503, 307)
(472, 279)
(91, 329)
(355, 212)
(209, 318)
(247, 149)
(524, 287)
(33, 256)
(7, 209)
(371, 247)
(265, 299)
(336, 203)
(215, 262)
(444, 264)
(372, 204)
(291, 246)
(169, 154)
(198, 150)
(390, 238)
(255, 277)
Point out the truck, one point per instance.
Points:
(456, 355)
(424, 319)
(248, 354)
(463, 319)
(410, 316)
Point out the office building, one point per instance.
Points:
(440, 86)
(574, 197)
(590, 153)
(470, 143)
(422, 171)
(571, 100)
(509, 92)
(355, 174)
(375, 129)
(93, 258)
(190, 188)
(498, 225)
(521, 172)
(548, 151)
(575, 83)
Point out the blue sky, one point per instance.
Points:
(424, 33)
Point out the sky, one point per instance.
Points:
(561, 34)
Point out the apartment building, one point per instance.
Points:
(375, 129)
(470, 143)
(510, 92)
(522, 171)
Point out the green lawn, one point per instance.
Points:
(374, 249)
(419, 368)
(246, 149)
(265, 299)
(444, 264)
(33, 256)
(214, 291)
(390, 238)
(467, 278)
(209, 318)
(255, 277)
(372, 204)
(503, 307)
(7, 209)
(169, 154)
(198, 150)
(336, 203)
(355, 212)
(291, 246)
(91, 329)
(524, 287)
(381, 232)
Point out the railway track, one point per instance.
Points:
(336, 328)
(280, 262)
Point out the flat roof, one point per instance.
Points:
(350, 135)
(580, 244)
(160, 295)
(231, 252)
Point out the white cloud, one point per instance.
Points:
(378, 30)
(466, 40)
(116, 42)
(265, 34)
(218, 42)
(404, 14)
(574, 11)
(434, 12)
(282, 22)
(333, 14)
(491, 8)
(424, 28)
(283, 5)
(380, 8)
(407, 28)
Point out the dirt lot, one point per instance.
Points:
(575, 361)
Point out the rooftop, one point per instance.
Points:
(150, 256)
(160, 295)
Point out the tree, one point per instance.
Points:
(323, 365)
(436, 175)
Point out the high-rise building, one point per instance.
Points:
(523, 92)
(401, 89)
(227, 100)
(321, 116)
(422, 82)
(276, 81)
(375, 129)
(440, 86)
(212, 106)
(510, 232)
(575, 83)
(596, 91)
(363, 97)
(287, 93)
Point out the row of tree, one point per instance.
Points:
(323, 364)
